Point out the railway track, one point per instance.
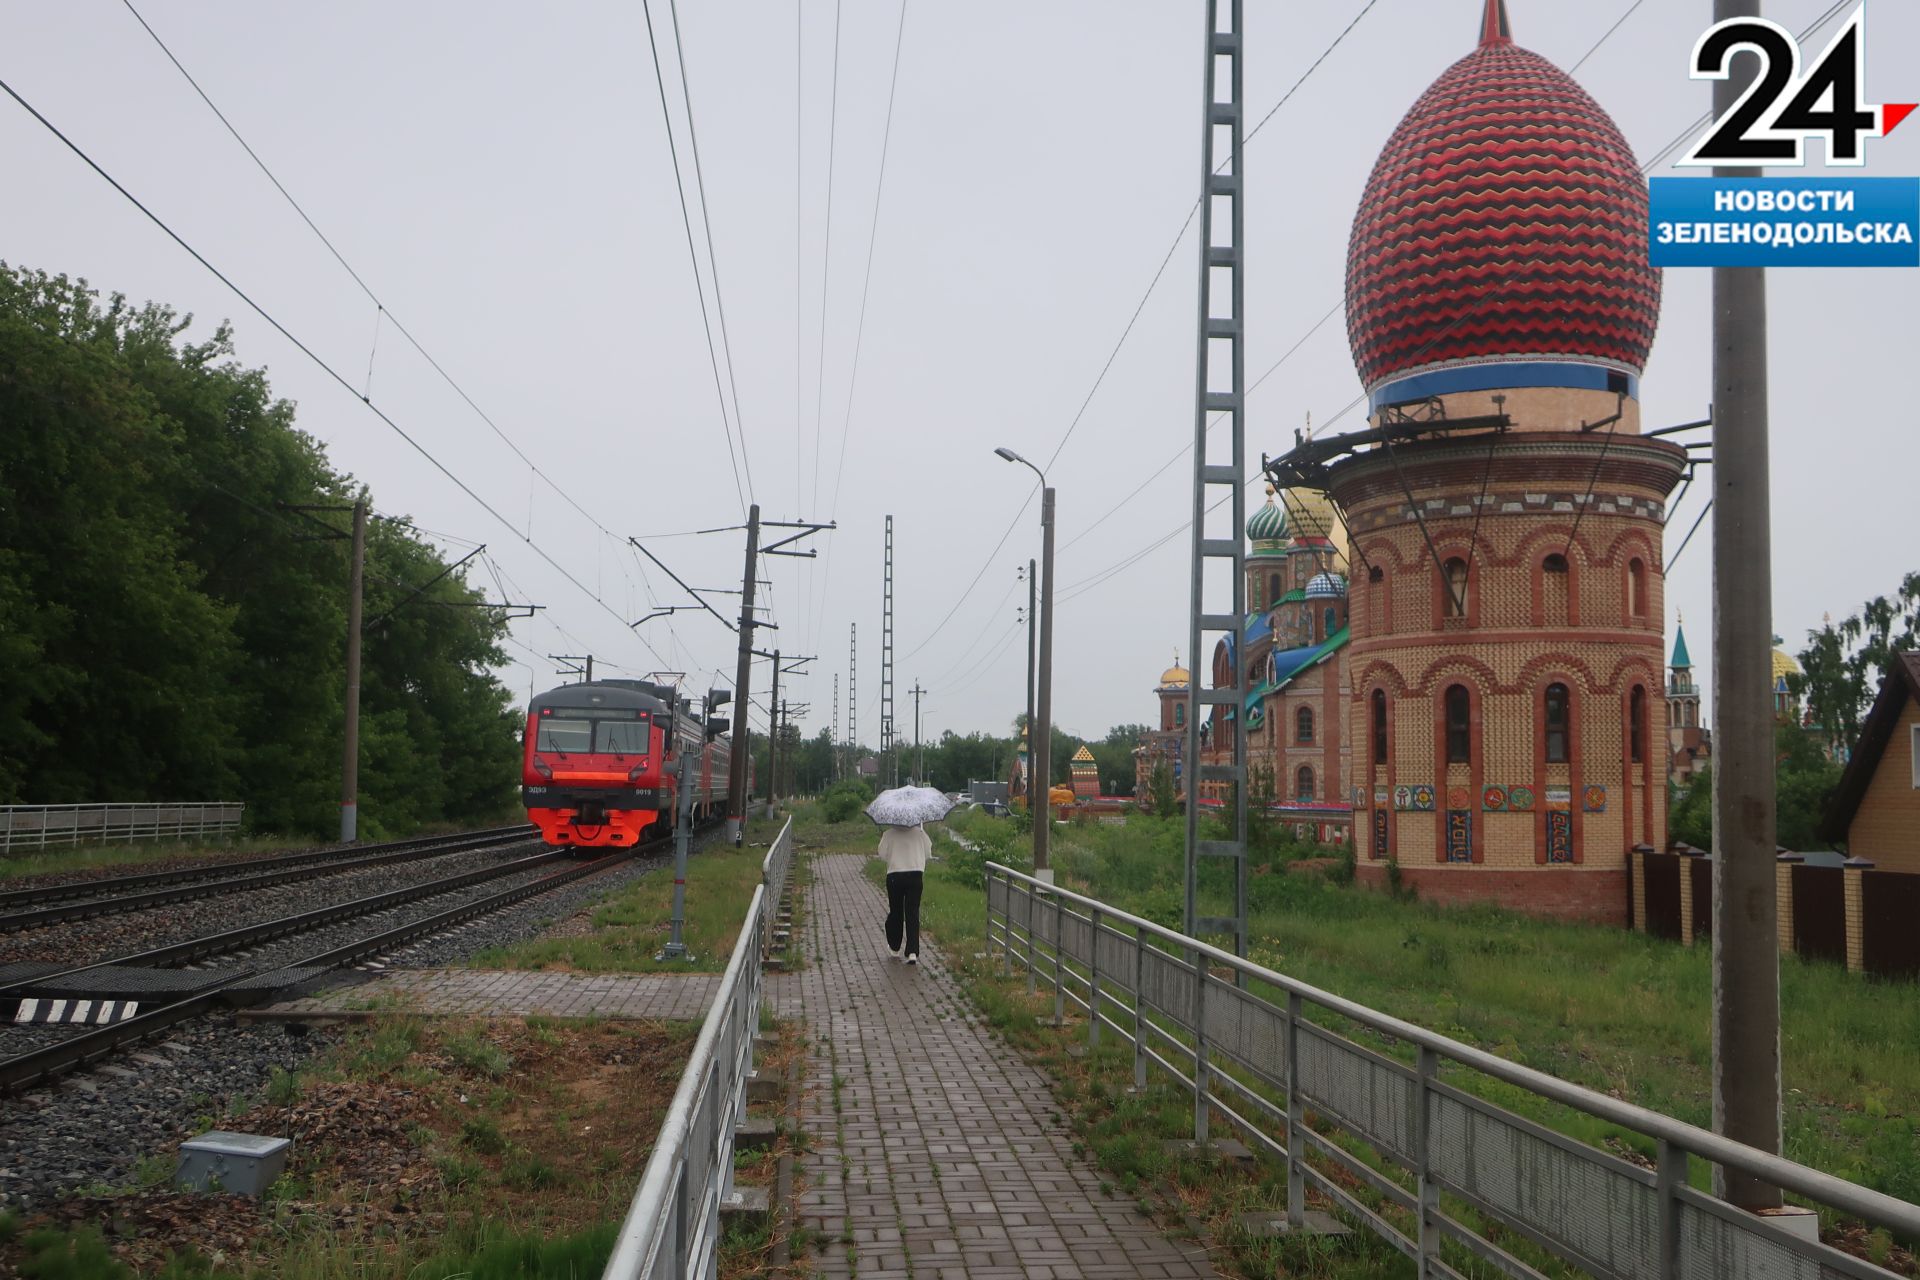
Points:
(43, 905)
(199, 993)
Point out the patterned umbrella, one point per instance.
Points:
(909, 806)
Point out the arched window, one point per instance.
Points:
(1555, 588)
(1559, 723)
(1454, 605)
(1303, 725)
(1376, 574)
(1273, 590)
(1379, 726)
(1637, 588)
(1459, 725)
(1333, 617)
(1179, 715)
(1637, 723)
(1303, 783)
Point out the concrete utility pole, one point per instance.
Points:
(919, 757)
(742, 682)
(676, 947)
(350, 760)
(1040, 729)
(1033, 596)
(1746, 947)
(773, 730)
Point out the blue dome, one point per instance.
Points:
(1326, 586)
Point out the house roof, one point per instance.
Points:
(1901, 682)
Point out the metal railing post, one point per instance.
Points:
(1059, 964)
(1139, 1008)
(1199, 1046)
(987, 937)
(1296, 1179)
(1670, 1174)
(1093, 983)
(1428, 1245)
(1032, 950)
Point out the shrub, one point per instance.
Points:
(845, 799)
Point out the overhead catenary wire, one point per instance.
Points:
(693, 256)
(319, 361)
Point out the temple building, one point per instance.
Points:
(1456, 655)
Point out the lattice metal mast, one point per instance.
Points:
(835, 739)
(1218, 608)
(853, 717)
(889, 756)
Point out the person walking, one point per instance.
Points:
(905, 851)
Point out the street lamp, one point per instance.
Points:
(1042, 728)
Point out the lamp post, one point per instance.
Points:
(1042, 728)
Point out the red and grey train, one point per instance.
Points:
(601, 763)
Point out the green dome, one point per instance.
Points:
(1269, 523)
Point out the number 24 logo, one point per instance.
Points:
(1772, 121)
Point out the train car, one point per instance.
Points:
(601, 763)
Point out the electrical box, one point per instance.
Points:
(243, 1164)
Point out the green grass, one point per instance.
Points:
(66, 860)
(631, 924)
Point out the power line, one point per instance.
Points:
(382, 310)
(303, 348)
(693, 256)
(826, 258)
(706, 223)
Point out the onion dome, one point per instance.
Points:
(1269, 523)
(1312, 516)
(1326, 586)
(1783, 666)
(1502, 238)
(1175, 676)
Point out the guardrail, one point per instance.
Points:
(1438, 1163)
(35, 825)
(773, 875)
(672, 1227)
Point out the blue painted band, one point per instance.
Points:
(1500, 376)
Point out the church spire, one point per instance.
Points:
(1494, 27)
(1681, 661)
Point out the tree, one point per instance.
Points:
(1843, 665)
(1804, 779)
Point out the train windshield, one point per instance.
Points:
(627, 737)
(583, 730)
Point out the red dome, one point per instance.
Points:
(1505, 223)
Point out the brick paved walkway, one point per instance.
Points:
(508, 993)
(944, 1160)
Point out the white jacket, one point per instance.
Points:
(905, 848)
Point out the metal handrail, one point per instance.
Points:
(773, 874)
(142, 820)
(1676, 1138)
(672, 1227)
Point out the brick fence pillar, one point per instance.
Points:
(1687, 854)
(1783, 897)
(1855, 870)
(1639, 869)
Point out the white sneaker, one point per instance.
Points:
(913, 959)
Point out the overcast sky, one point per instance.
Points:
(499, 175)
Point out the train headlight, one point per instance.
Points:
(633, 774)
(542, 768)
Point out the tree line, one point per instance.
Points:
(173, 626)
(809, 765)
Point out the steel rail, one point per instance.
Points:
(213, 944)
(220, 888)
(41, 1064)
(180, 875)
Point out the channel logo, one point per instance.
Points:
(1788, 222)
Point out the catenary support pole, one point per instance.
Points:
(1042, 752)
(1746, 949)
(350, 758)
(742, 683)
(676, 947)
(773, 731)
(1033, 634)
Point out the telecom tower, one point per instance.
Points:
(891, 757)
(835, 739)
(1218, 606)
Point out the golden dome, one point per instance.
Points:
(1175, 676)
(1310, 514)
(1784, 665)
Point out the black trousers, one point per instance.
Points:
(903, 909)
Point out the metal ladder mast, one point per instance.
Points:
(890, 762)
(1219, 608)
(835, 739)
(853, 718)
